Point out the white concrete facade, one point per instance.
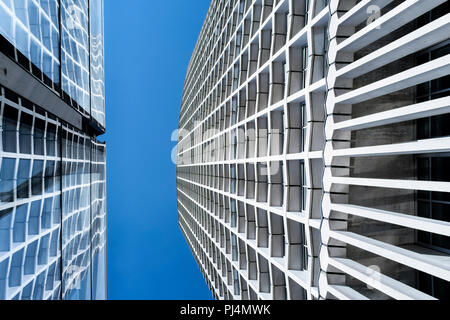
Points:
(298, 149)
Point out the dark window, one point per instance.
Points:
(10, 116)
(49, 176)
(26, 124)
(51, 140)
(38, 137)
(23, 179)
(36, 180)
(7, 180)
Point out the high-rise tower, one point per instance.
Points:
(313, 152)
(52, 167)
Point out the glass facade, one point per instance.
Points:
(61, 43)
(75, 53)
(53, 207)
(53, 175)
(97, 61)
(32, 27)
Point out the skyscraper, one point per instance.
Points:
(313, 152)
(52, 167)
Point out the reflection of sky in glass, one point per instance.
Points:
(32, 27)
(98, 231)
(31, 164)
(76, 249)
(97, 62)
(75, 51)
(30, 219)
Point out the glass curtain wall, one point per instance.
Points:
(61, 42)
(52, 207)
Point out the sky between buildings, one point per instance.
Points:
(148, 47)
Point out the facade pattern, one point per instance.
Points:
(52, 171)
(313, 149)
(75, 52)
(33, 29)
(61, 43)
(97, 75)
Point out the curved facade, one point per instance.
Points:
(313, 149)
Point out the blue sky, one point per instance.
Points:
(148, 47)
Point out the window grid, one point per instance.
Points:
(271, 152)
(61, 43)
(44, 176)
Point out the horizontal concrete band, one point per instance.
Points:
(15, 78)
